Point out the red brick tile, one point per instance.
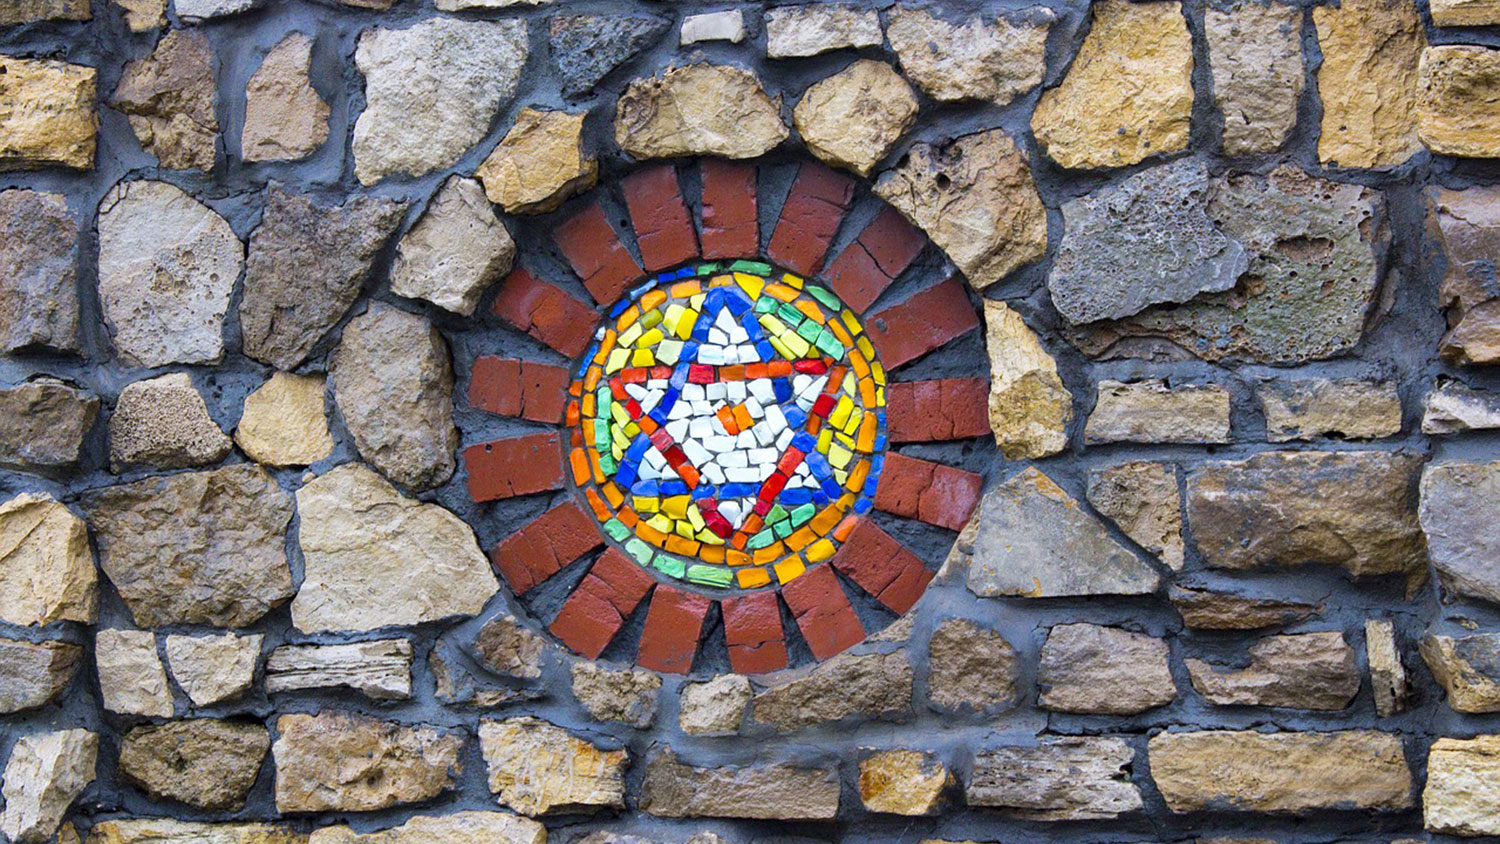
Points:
(752, 627)
(550, 541)
(546, 313)
(593, 615)
(882, 566)
(823, 612)
(530, 390)
(810, 218)
(730, 225)
(663, 228)
(944, 409)
(674, 623)
(882, 252)
(507, 468)
(931, 492)
(906, 331)
(596, 254)
(892, 241)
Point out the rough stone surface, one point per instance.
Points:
(197, 547)
(1141, 498)
(38, 272)
(903, 782)
(798, 31)
(1302, 671)
(130, 674)
(339, 761)
(432, 91)
(380, 670)
(455, 251)
(1255, 56)
(970, 667)
(873, 686)
(786, 792)
(1465, 13)
(285, 118)
(168, 97)
(1368, 82)
(46, 568)
(1058, 779)
(393, 382)
(44, 424)
(214, 669)
(1103, 670)
(167, 264)
(714, 707)
(27, 11)
(33, 674)
(1388, 680)
(1152, 412)
(198, 11)
(47, 114)
(1029, 407)
(1456, 101)
(167, 831)
(1454, 408)
(585, 48)
(1207, 609)
(457, 828)
(853, 118)
(1347, 408)
(975, 60)
(1468, 667)
(143, 15)
(539, 163)
(507, 647)
(202, 762)
(1463, 779)
(46, 771)
(163, 422)
(700, 109)
(1467, 230)
(374, 558)
(628, 697)
(728, 25)
(283, 423)
(537, 768)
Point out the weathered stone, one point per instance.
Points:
(1355, 509)
(1206, 609)
(1147, 240)
(537, 768)
(871, 686)
(508, 647)
(394, 384)
(1466, 225)
(144, 15)
(457, 828)
(627, 696)
(1454, 408)
(46, 772)
(975, 60)
(903, 782)
(455, 251)
(1388, 683)
(374, 558)
(203, 762)
(380, 670)
(1030, 538)
(167, 264)
(195, 547)
(168, 831)
(975, 198)
(46, 114)
(970, 667)
(1255, 55)
(758, 792)
(1280, 772)
(455, 681)
(1456, 100)
(1368, 82)
(38, 272)
(431, 91)
(46, 568)
(853, 118)
(1059, 779)
(285, 118)
(1029, 407)
(1103, 670)
(27, 11)
(459, 5)
(168, 97)
(700, 109)
(1302, 671)
(1462, 796)
(286, 310)
(539, 163)
(34, 674)
(213, 669)
(163, 422)
(714, 707)
(728, 25)
(1141, 498)
(1348, 408)
(130, 674)
(1465, 13)
(585, 48)
(339, 761)
(283, 423)
(798, 31)
(1152, 412)
(43, 424)
(1468, 667)
(197, 11)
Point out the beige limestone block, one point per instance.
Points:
(28, 11)
(973, 60)
(1302, 671)
(457, 828)
(1458, 100)
(144, 15)
(1255, 55)
(1368, 82)
(1090, 668)
(853, 118)
(283, 423)
(813, 28)
(1208, 609)
(169, 96)
(130, 674)
(33, 674)
(46, 114)
(539, 163)
(203, 762)
(1151, 412)
(1349, 408)
(969, 666)
(380, 669)
(1465, 12)
(338, 761)
(714, 707)
(700, 109)
(455, 251)
(1388, 680)
(169, 831)
(904, 782)
(537, 768)
(1467, 668)
(284, 117)
(627, 696)
(43, 776)
(213, 669)
(1030, 408)
(1142, 499)
(1463, 786)
(1069, 778)
(771, 791)
(46, 568)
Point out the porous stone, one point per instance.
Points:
(43, 424)
(1347, 408)
(34, 674)
(728, 25)
(714, 707)
(1355, 509)
(970, 667)
(1058, 779)
(455, 251)
(168, 97)
(216, 668)
(380, 670)
(775, 791)
(975, 198)
(285, 310)
(130, 674)
(143, 15)
(853, 118)
(38, 272)
(163, 422)
(1208, 609)
(1029, 406)
(202, 762)
(283, 423)
(871, 686)
(585, 48)
(1454, 408)
(45, 773)
(539, 163)
(339, 761)
(1457, 112)
(28, 11)
(1103, 670)
(46, 114)
(507, 647)
(1255, 57)
(1141, 498)
(1280, 772)
(627, 696)
(537, 768)
(1368, 82)
(168, 831)
(1302, 671)
(46, 568)
(457, 828)
(1463, 781)
(1468, 667)
(904, 782)
(394, 384)
(1151, 412)
(1029, 538)
(700, 109)
(195, 547)
(431, 91)
(1388, 682)
(374, 558)
(1466, 226)
(978, 59)
(167, 265)
(1465, 13)
(799, 31)
(285, 118)
(198, 11)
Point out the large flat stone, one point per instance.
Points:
(45, 773)
(47, 114)
(457, 828)
(977, 59)
(700, 109)
(776, 791)
(1150, 411)
(46, 567)
(202, 762)
(455, 251)
(870, 686)
(1457, 112)
(538, 768)
(169, 831)
(1347, 408)
(1301, 671)
(1368, 82)
(1090, 668)
(1058, 779)
(339, 761)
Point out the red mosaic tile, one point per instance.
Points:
(546, 313)
(527, 389)
(944, 409)
(663, 228)
(593, 615)
(541, 548)
(597, 255)
(823, 612)
(517, 466)
(882, 252)
(674, 623)
(882, 566)
(752, 627)
(931, 492)
(730, 225)
(810, 218)
(906, 331)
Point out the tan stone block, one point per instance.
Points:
(46, 114)
(1368, 82)
(283, 423)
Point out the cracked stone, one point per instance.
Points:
(540, 163)
(46, 567)
(700, 109)
(1058, 779)
(1301, 671)
(537, 768)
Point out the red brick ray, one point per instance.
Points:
(872, 262)
(663, 227)
(810, 218)
(592, 616)
(730, 227)
(539, 550)
(906, 331)
(882, 566)
(527, 389)
(943, 409)
(674, 624)
(546, 313)
(597, 255)
(929, 492)
(823, 612)
(522, 465)
(752, 627)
